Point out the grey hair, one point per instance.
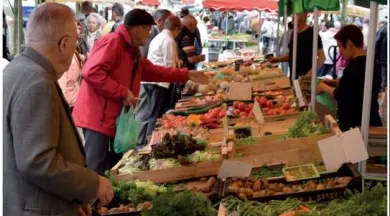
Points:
(98, 19)
(47, 21)
(161, 13)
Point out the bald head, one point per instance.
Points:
(190, 23)
(49, 22)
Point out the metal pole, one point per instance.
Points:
(368, 78)
(314, 63)
(295, 40)
(259, 36)
(19, 26)
(343, 11)
(227, 22)
(277, 37)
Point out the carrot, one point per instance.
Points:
(290, 213)
(304, 208)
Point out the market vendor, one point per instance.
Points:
(304, 50)
(348, 91)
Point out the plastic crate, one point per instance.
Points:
(346, 170)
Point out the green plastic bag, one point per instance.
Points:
(127, 130)
(325, 100)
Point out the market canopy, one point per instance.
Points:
(240, 5)
(301, 6)
(150, 2)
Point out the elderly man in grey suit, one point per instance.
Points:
(44, 163)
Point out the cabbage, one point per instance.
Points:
(156, 164)
(200, 156)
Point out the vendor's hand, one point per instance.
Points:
(86, 211)
(320, 87)
(274, 60)
(198, 77)
(105, 192)
(128, 100)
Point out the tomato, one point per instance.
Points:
(251, 114)
(204, 118)
(213, 114)
(250, 106)
(270, 104)
(290, 111)
(286, 106)
(236, 112)
(241, 106)
(265, 109)
(271, 112)
(263, 101)
(248, 109)
(276, 111)
(282, 112)
(222, 114)
(243, 115)
(235, 104)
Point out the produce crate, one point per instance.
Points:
(269, 84)
(346, 170)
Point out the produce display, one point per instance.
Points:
(171, 123)
(268, 171)
(205, 185)
(185, 203)
(307, 124)
(281, 105)
(242, 110)
(370, 202)
(245, 187)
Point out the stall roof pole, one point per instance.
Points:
(259, 36)
(368, 78)
(295, 40)
(285, 29)
(277, 37)
(227, 23)
(314, 63)
(19, 25)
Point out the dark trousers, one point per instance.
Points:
(154, 103)
(384, 77)
(99, 151)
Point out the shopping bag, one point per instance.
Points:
(326, 100)
(127, 130)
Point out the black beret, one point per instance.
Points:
(138, 17)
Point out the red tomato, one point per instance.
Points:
(270, 104)
(251, 114)
(282, 112)
(213, 114)
(235, 104)
(222, 114)
(241, 106)
(286, 106)
(248, 109)
(251, 106)
(243, 114)
(236, 112)
(290, 111)
(263, 101)
(265, 109)
(271, 112)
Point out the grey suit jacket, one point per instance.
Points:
(145, 49)
(44, 164)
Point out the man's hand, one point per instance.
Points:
(128, 100)
(86, 211)
(274, 60)
(105, 192)
(198, 77)
(320, 87)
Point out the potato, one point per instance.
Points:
(240, 183)
(265, 183)
(320, 187)
(295, 188)
(270, 193)
(273, 187)
(287, 190)
(203, 188)
(256, 186)
(211, 181)
(232, 189)
(281, 185)
(242, 196)
(253, 179)
(116, 210)
(147, 204)
(241, 190)
(279, 193)
(261, 193)
(248, 192)
(241, 178)
(235, 184)
(248, 184)
(330, 184)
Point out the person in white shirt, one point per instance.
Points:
(162, 51)
(267, 34)
(328, 41)
(366, 23)
(283, 46)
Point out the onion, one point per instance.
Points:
(203, 89)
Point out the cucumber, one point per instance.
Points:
(201, 110)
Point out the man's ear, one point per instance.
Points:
(62, 45)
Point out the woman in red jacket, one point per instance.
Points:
(111, 79)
